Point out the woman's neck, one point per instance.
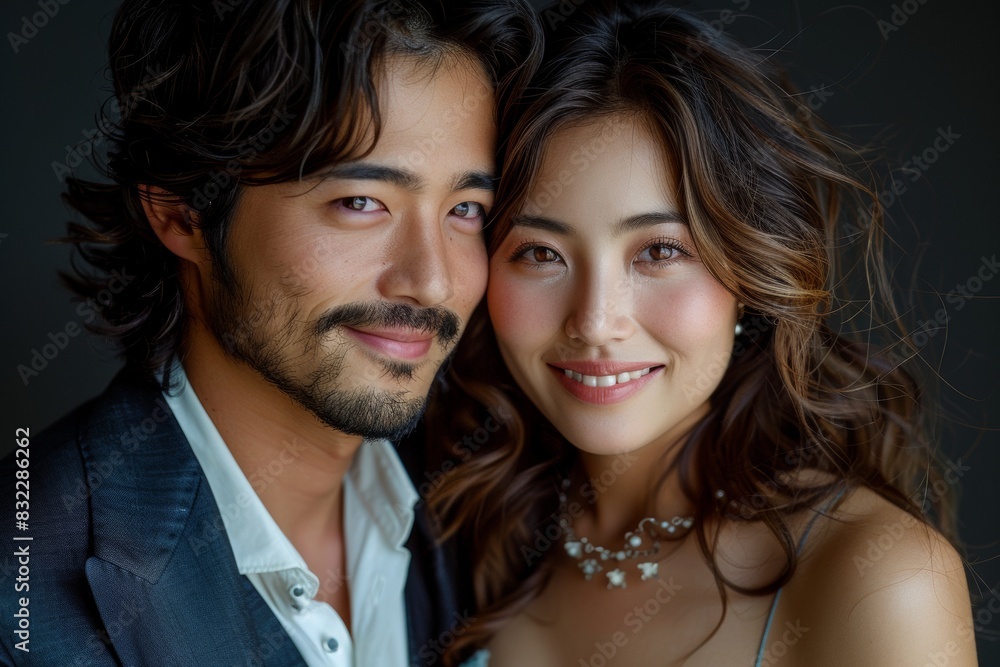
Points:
(617, 492)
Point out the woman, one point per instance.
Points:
(698, 465)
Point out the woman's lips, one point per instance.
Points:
(607, 380)
(398, 343)
(604, 382)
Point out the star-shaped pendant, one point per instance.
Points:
(590, 567)
(616, 579)
(648, 570)
(574, 549)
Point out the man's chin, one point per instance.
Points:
(395, 434)
(369, 412)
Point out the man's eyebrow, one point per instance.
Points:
(476, 180)
(637, 222)
(365, 171)
(545, 224)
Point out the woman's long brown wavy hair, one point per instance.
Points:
(766, 192)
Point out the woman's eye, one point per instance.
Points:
(469, 210)
(361, 204)
(660, 252)
(534, 255)
(543, 255)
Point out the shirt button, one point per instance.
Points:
(297, 592)
(331, 645)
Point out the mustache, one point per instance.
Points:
(443, 323)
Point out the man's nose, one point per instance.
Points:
(418, 270)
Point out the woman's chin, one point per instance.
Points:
(591, 443)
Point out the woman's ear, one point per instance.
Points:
(172, 222)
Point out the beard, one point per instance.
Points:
(269, 334)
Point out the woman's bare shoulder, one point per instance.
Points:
(876, 585)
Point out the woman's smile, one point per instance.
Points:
(606, 389)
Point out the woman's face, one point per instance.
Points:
(603, 311)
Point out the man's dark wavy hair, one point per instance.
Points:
(217, 96)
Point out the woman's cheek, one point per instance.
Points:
(521, 312)
(506, 304)
(693, 317)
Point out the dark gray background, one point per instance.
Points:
(890, 90)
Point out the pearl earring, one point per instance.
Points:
(739, 329)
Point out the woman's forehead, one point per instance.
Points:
(602, 169)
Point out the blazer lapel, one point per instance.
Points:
(162, 571)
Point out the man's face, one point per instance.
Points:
(350, 289)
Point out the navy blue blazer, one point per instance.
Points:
(129, 564)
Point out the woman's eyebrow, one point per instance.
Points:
(545, 224)
(624, 226)
(636, 222)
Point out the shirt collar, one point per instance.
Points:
(376, 475)
(384, 489)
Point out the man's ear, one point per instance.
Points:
(172, 222)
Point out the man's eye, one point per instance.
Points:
(469, 210)
(361, 204)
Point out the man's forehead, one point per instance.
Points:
(420, 71)
(437, 127)
(434, 100)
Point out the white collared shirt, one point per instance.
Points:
(378, 515)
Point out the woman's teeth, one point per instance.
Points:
(605, 380)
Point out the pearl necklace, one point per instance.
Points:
(591, 556)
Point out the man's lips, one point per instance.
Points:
(400, 343)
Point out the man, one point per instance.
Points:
(294, 225)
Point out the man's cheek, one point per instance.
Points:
(470, 282)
